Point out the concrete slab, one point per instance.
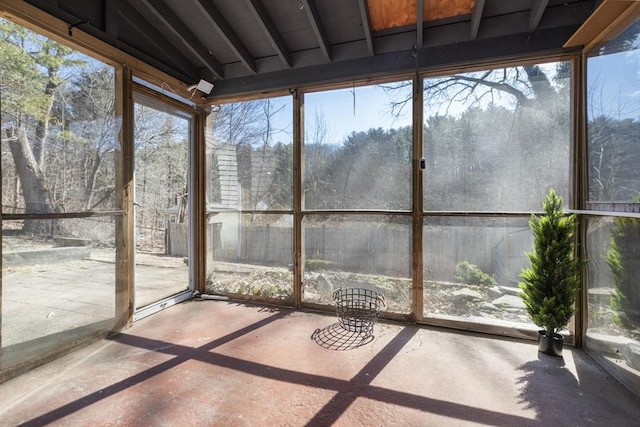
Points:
(233, 364)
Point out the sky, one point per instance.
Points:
(354, 110)
(614, 85)
(613, 82)
(345, 111)
(613, 90)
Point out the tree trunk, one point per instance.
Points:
(89, 191)
(42, 127)
(33, 182)
(243, 153)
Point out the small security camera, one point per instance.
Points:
(203, 86)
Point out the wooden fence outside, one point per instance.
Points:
(386, 250)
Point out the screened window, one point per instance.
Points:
(59, 131)
(60, 148)
(613, 114)
(249, 192)
(357, 151)
(497, 140)
(613, 241)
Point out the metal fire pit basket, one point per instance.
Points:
(358, 309)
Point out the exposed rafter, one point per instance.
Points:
(314, 19)
(395, 61)
(419, 24)
(537, 9)
(215, 18)
(366, 25)
(268, 27)
(173, 24)
(111, 19)
(155, 37)
(179, 37)
(476, 17)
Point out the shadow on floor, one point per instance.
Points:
(238, 371)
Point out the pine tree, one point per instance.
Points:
(549, 285)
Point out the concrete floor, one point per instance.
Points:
(42, 306)
(231, 364)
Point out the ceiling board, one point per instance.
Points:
(398, 13)
(441, 9)
(385, 14)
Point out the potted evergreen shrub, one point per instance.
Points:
(549, 285)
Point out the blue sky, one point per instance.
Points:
(341, 115)
(614, 85)
(354, 110)
(613, 90)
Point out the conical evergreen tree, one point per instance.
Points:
(549, 285)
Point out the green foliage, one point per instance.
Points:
(623, 258)
(30, 65)
(62, 103)
(549, 286)
(471, 274)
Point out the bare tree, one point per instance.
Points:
(318, 158)
(523, 86)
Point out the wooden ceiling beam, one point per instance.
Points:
(268, 27)
(419, 24)
(217, 21)
(537, 10)
(366, 25)
(476, 17)
(172, 23)
(156, 38)
(314, 19)
(481, 52)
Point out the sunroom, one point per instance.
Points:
(262, 155)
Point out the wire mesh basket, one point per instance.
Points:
(358, 308)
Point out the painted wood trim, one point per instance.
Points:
(603, 23)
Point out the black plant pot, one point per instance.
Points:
(550, 344)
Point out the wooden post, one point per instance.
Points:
(298, 196)
(124, 198)
(579, 184)
(199, 215)
(418, 260)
